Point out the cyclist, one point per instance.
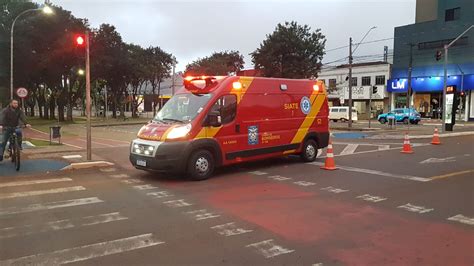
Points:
(10, 118)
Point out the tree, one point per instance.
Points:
(291, 51)
(159, 64)
(137, 77)
(217, 64)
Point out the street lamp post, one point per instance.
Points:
(47, 10)
(445, 82)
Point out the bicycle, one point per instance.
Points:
(14, 150)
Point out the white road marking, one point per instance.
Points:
(120, 176)
(34, 182)
(86, 252)
(160, 194)
(383, 147)
(258, 173)
(107, 170)
(230, 229)
(177, 203)
(60, 225)
(368, 197)
(40, 192)
(462, 219)
(335, 190)
(268, 249)
(74, 156)
(439, 160)
(131, 181)
(279, 178)
(203, 214)
(304, 183)
(376, 172)
(144, 187)
(320, 151)
(318, 264)
(414, 208)
(349, 149)
(50, 206)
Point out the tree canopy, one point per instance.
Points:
(291, 51)
(218, 64)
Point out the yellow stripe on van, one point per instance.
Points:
(210, 132)
(317, 100)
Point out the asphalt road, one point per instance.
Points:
(380, 208)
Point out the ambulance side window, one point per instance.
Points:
(226, 106)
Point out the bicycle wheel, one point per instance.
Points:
(17, 155)
(11, 152)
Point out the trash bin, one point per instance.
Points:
(54, 133)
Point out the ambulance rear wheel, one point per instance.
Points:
(310, 151)
(200, 165)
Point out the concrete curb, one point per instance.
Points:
(85, 165)
(443, 135)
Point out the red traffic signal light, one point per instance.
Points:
(80, 40)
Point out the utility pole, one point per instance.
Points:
(350, 83)
(173, 77)
(88, 100)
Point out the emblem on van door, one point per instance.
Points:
(253, 135)
(305, 105)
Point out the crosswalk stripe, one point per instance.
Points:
(86, 252)
(61, 225)
(383, 147)
(349, 149)
(40, 192)
(34, 182)
(50, 206)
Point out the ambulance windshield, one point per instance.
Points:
(182, 108)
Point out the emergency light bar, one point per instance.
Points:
(199, 84)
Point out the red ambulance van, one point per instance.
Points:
(216, 121)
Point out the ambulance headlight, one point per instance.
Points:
(136, 146)
(179, 132)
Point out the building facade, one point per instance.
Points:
(438, 22)
(364, 77)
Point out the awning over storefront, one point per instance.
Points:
(431, 84)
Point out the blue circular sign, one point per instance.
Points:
(305, 105)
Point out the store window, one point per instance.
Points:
(332, 83)
(380, 80)
(365, 81)
(452, 14)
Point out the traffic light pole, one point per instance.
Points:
(370, 103)
(88, 100)
(445, 83)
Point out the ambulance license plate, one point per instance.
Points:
(141, 163)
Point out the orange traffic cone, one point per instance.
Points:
(329, 164)
(406, 145)
(435, 140)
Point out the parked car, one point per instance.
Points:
(404, 115)
(341, 113)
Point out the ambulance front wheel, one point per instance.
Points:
(310, 151)
(200, 165)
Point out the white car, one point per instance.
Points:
(341, 113)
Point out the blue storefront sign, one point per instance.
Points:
(430, 84)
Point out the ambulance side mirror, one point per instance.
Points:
(214, 120)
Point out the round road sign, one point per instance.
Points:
(22, 92)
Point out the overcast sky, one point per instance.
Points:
(191, 29)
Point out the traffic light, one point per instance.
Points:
(79, 39)
(374, 89)
(438, 55)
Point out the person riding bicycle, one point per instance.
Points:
(10, 118)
